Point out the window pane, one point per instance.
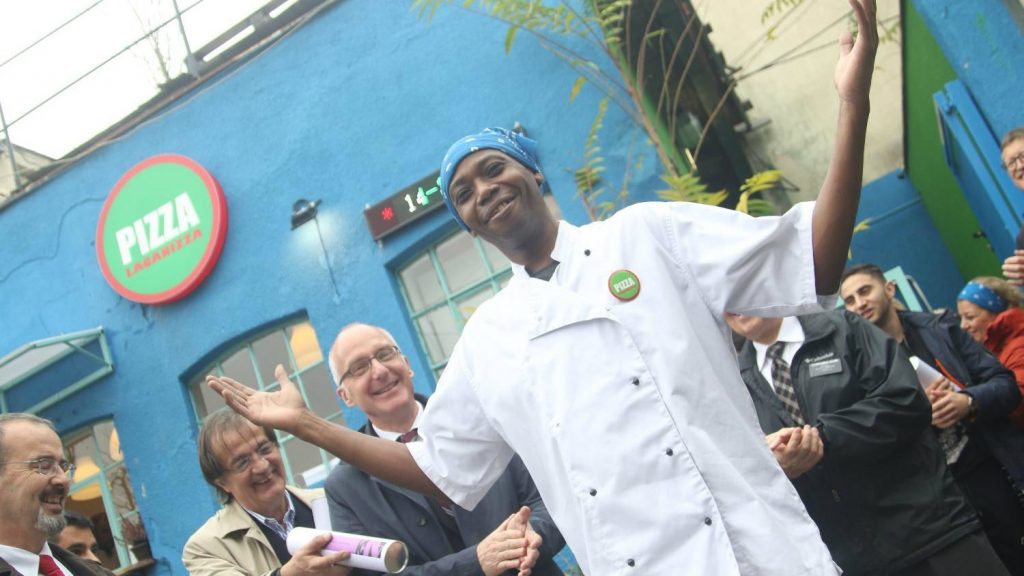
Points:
(205, 399)
(460, 261)
(421, 284)
(239, 366)
(469, 304)
(270, 351)
(109, 442)
(305, 348)
(83, 454)
(504, 280)
(121, 490)
(320, 394)
(498, 260)
(439, 333)
(301, 457)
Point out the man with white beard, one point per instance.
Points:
(36, 479)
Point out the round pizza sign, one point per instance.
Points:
(161, 230)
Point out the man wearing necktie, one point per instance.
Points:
(374, 376)
(34, 482)
(848, 422)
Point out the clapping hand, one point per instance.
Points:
(797, 450)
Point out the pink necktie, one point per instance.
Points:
(48, 567)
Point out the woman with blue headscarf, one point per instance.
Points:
(990, 312)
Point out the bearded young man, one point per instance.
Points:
(971, 404)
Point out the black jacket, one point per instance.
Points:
(992, 385)
(881, 495)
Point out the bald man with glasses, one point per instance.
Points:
(374, 376)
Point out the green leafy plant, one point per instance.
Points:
(689, 188)
(654, 100)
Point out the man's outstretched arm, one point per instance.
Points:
(286, 410)
(835, 211)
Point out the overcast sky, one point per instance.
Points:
(114, 90)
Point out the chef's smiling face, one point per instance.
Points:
(498, 198)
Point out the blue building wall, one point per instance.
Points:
(984, 42)
(358, 103)
(901, 233)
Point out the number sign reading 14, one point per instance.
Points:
(404, 207)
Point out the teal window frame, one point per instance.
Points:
(22, 365)
(297, 376)
(122, 547)
(495, 279)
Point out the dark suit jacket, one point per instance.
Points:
(881, 495)
(76, 565)
(362, 504)
(992, 385)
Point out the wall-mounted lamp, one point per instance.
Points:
(303, 211)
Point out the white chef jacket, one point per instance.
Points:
(631, 416)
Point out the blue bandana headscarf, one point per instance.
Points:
(983, 296)
(523, 149)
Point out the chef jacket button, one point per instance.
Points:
(668, 452)
(422, 521)
(630, 563)
(593, 492)
(635, 381)
(707, 521)
(586, 252)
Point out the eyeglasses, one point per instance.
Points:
(1012, 162)
(362, 366)
(47, 466)
(243, 464)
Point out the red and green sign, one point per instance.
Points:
(161, 229)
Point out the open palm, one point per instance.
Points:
(857, 57)
(280, 409)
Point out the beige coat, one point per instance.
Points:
(230, 543)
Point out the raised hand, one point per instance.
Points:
(857, 58)
(1013, 268)
(281, 409)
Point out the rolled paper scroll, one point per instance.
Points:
(367, 552)
(321, 513)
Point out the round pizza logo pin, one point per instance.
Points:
(624, 285)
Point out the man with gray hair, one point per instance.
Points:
(36, 479)
(248, 535)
